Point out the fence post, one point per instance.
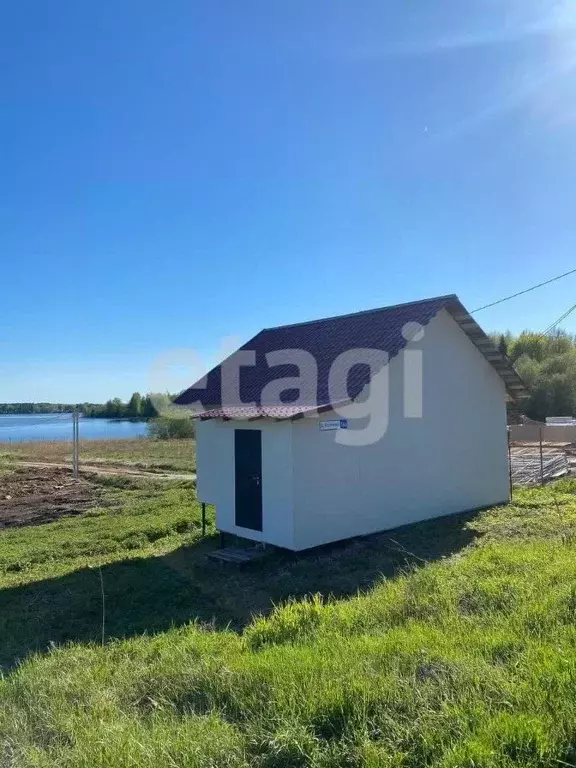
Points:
(541, 460)
(75, 441)
(509, 465)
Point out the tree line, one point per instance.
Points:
(547, 366)
(137, 407)
(8, 408)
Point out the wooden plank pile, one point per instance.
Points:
(530, 468)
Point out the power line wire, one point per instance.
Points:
(562, 317)
(527, 290)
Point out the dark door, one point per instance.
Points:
(248, 471)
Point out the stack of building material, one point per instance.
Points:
(529, 467)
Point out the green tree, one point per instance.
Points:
(135, 405)
(147, 408)
(528, 370)
(528, 343)
(115, 408)
(547, 365)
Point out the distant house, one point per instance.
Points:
(307, 435)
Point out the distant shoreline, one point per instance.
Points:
(137, 407)
(83, 415)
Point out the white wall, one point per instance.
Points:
(216, 483)
(452, 459)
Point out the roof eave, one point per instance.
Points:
(484, 344)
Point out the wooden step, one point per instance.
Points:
(237, 555)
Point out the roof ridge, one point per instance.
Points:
(361, 312)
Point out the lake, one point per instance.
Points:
(19, 428)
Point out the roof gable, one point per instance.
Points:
(326, 339)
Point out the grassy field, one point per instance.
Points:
(142, 453)
(449, 643)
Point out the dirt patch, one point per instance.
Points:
(113, 469)
(32, 496)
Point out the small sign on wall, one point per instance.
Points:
(333, 424)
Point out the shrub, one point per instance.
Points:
(167, 428)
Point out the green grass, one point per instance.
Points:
(142, 453)
(449, 643)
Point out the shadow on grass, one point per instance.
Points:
(153, 594)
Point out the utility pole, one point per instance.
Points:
(75, 438)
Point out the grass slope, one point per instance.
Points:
(465, 660)
(142, 453)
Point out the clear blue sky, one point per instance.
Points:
(175, 173)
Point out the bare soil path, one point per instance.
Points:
(111, 470)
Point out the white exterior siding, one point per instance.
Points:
(216, 481)
(316, 490)
(452, 459)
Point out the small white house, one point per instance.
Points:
(345, 426)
